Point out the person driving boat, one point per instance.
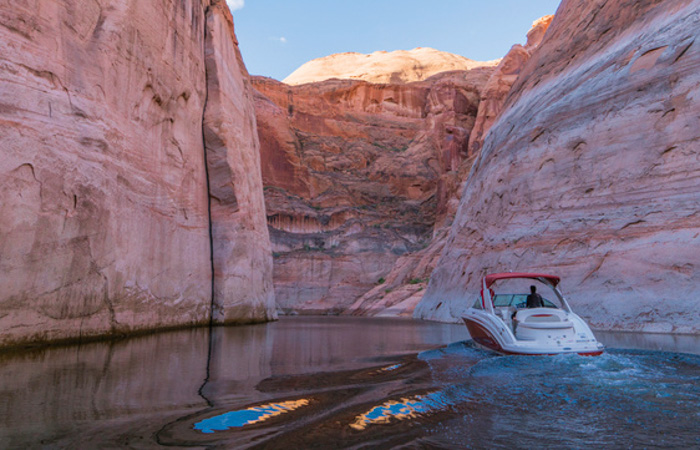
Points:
(534, 300)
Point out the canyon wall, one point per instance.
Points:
(592, 171)
(104, 214)
(405, 283)
(498, 87)
(355, 176)
(242, 257)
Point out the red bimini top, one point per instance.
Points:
(491, 278)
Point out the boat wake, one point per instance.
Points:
(462, 396)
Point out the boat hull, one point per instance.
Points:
(496, 338)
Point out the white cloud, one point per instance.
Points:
(235, 4)
(282, 40)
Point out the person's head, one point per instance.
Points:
(533, 289)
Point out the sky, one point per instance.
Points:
(278, 36)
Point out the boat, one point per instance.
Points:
(504, 324)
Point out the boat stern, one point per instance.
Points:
(538, 336)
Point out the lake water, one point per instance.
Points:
(326, 382)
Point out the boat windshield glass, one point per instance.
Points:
(516, 300)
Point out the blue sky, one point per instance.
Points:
(278, 36)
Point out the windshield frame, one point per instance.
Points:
(487, 294)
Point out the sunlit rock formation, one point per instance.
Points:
(497, 88)
(355, 177)
(104, 215)
(592, 171)
(400, 66)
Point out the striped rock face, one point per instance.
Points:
(591, 171)
(104, 215)
(357, 177)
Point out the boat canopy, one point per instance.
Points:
(490, 279)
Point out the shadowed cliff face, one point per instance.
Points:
(591, 171)
(357, 175)
(104, 215)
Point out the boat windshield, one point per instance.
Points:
(515, 300)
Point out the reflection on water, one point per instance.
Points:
(679, 343)
(390, 368)
(406, 408)
(348, 382)
(402, 409)
(248, 416)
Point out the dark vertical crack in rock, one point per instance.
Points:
(200, 391)
(206, 168)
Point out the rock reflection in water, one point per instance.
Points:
(345, 382)
(123, 393)
(69, 396)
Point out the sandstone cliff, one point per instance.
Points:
(405, 284)
(497, 88)
(400, 66)
(592, 171)
(355, 177)
(242, 257)
(104, 216)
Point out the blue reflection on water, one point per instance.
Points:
(403, 409)
(249, 416)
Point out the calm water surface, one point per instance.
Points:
(348, 382)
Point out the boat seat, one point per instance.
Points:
(546, 325)
(543, 319)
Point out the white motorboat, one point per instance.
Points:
(503, 323)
